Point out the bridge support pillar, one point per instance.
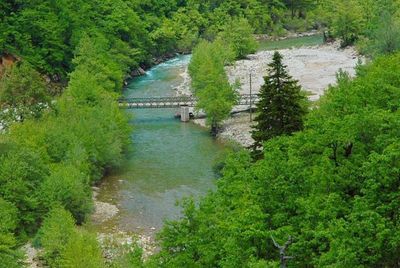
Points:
(185, 114)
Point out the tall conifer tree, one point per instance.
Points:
(282, 105)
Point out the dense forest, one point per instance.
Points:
(333, 187)
(47, 33)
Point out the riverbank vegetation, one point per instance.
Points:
(56, 148)
(371, 25)
(210, 83)
(24, 94)
(216, 96)
(52, 161)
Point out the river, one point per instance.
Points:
(169, 159)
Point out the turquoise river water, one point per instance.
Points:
(169, 159)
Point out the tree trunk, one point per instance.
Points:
(214, 129)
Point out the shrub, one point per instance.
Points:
(69, 187)
(238, 35)
(9, 256)
(21, 173)
(8, 216)
(81, 251)
(55, 233)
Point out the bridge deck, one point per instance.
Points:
(174, 102)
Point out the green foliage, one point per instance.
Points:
(238, 35)
(348, 22)
(21, 173)
(38, 34)
(300, 7)
(372, 24)
(259, 17)
(23, 94)
(92, 59)
(65, 246)
(9, 256)
(131, 257)
(53, 156)
(67, 186)
(181, 32)
(281, 108)
(299, 24)
(210, 83)
(57, 230)
(222, 231)
(67, 139)
(81, 251)
(105, 122)
(333, 187)
(8, 215)
(386, 37)
(46, 34)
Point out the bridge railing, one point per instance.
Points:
(157, 99)
(172, 102)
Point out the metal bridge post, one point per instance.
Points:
(251, 101)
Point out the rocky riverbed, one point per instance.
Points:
(314, 67)
(114, 242)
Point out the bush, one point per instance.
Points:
(81, 251)
(23, 94)
(8, 216)
(131, 257)
(238, 35)
(21, 173)
(69, 187)
(348, 23)
(9, 256)
(386, 38)
(297, 25)
(83, 135)
(55, 233)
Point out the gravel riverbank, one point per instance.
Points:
(314, 67)
(111, 242)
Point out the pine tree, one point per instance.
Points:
(282, 105)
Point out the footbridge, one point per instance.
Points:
(182, 102)
(175, 102)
